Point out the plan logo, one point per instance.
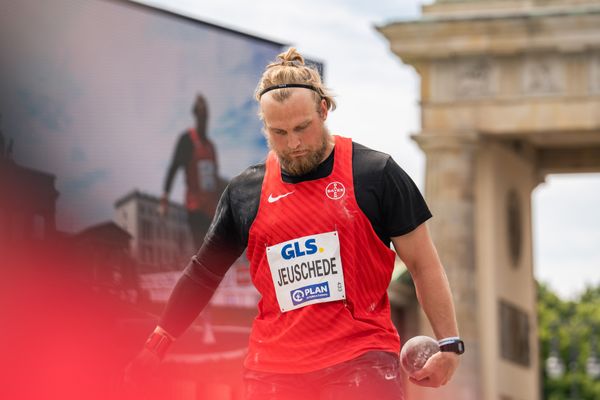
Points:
(310, 292)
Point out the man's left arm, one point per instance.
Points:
(418, 252)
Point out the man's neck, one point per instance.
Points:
(330, 146)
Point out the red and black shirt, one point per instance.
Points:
(380, 202)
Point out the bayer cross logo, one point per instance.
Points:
(335, 190)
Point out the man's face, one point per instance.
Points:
(200, 110)
(296, 131)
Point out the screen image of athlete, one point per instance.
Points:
(195, 153)
(316, 220)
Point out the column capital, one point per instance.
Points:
(430, 141)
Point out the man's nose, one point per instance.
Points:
(293, 141)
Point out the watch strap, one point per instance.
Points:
(159, 342)
(454, 345)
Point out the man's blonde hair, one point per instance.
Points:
(289, 68)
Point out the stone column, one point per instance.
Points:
(450, 193)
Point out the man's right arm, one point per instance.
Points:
(221, 247)
(193, 290)
(198, 283)
(224, 243)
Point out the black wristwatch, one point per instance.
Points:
(455, 346)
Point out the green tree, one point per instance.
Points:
(572, 324)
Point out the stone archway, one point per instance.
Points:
(510, 92)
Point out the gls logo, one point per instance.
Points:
(292, 250)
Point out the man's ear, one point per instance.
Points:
(323, 109)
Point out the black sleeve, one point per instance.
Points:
(386, 194)
(183, 152)
(205, 271)
(225, 241)
(403, 206)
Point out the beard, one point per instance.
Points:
(297, 166)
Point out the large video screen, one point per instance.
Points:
(95, 95)
(97, 92)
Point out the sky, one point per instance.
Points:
(378, 100)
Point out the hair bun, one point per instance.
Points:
(291, 57)
(289, 70)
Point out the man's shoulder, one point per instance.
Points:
(184, 138)
(248, 179)
(363, 156)
(253, 171)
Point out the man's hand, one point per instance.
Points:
(142, 368)
(437, 371)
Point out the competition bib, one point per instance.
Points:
(206, 175)
(307, 270)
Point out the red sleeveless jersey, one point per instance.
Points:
(201, 176)
(318, 335)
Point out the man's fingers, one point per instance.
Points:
(421, 377)
(426, 377)
(420, 374)
(427, 382)
(412, 380)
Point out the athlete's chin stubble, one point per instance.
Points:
(297, 166)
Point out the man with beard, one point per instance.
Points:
(317, 219)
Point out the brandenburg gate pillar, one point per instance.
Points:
(450, 193)
(510, 92)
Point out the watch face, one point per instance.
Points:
(457, 347)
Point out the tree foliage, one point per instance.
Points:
(573, 324)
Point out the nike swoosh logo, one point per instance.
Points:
(281, 196)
